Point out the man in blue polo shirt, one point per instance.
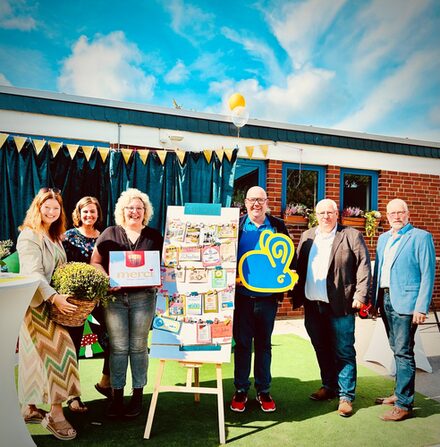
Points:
(254, 314)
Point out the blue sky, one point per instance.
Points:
(361, 65)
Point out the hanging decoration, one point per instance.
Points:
(162, 155)
(39, 144)
(3, 138)
(87, 151)
(126, 154)
(55, 147)
(208, 155)
(72, 148)
(19, 142)
(143, 155)
(103, 152)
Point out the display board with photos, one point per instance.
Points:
(195, 302)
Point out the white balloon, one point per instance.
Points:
(240, 116)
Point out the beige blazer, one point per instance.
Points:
(36, 253)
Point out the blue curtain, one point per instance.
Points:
(23, 173)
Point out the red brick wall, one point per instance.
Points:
(420, 191)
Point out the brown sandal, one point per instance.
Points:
(62, 430)
(34, 416)
(76, 405)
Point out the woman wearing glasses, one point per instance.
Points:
(47, 372)
(79, 243)
(129, 316)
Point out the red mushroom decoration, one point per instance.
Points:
(87, 342)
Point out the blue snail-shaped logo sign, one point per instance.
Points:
(267, 269)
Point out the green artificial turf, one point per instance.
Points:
(298, 421)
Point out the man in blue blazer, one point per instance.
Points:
(402, 289)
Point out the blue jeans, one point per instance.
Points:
(254, 318)
(128, 320)
(333, 340)
(401, 336)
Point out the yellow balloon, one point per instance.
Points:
(236, 100)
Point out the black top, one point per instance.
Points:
(116, 239)
(77, 246)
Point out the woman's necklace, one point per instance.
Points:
(132, 238)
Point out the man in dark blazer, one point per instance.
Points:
(334, 278)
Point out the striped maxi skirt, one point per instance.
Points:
(47, 366)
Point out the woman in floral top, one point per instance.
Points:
(78, 244)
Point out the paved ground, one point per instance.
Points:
(426, 383)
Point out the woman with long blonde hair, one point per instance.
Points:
(48, 370)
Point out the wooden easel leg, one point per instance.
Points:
(196, 383)
(154, 400)
(221, 414)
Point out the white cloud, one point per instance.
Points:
(299, 25)
(178, 74)
(394, 92)
(4, 80)
(107, 67)
(14, 15)
(388, 30)
(189, 21)
(261, 51)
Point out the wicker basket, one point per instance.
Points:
(78, 318)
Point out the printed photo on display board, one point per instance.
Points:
(195, 302)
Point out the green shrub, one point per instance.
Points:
(81, 280)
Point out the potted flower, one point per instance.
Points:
(312, 219)
(296, 213)
(86, 287)
(353, 216)
(372, 220)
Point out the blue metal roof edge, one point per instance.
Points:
(159, 119)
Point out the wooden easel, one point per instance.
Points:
(191, 386)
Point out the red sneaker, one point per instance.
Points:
(238, 402)
(266, 402)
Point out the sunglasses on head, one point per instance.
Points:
(46, 189)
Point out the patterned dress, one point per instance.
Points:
(48, 370)
(78, 247)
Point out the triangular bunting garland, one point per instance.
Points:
(19, 142)
(180, 154)
(73, 149)
(103, 152)
(264, 149)
(55, 147)
(87, 151)
(220, 153)
(250, 151)
(39, 144)
(126, 153)
(228, 153)
(208, 155)
(162, 155)
(3, 138)
(143, 155)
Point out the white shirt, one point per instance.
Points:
(317, 267)
(388, 256)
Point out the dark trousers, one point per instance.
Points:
(254, 319)
(333, 340)
(401, 335)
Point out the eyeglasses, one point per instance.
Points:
(133, 209)
(46, 189)
(328, 213)
(254, 200)
(396, 213)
